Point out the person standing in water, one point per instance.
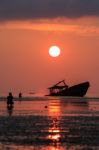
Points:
(10, 99)
(20, 95)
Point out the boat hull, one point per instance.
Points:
(78, 90)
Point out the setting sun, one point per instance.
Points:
(54, 51)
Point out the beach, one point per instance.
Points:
(50, 123)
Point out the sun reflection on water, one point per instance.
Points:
(54, 134)
(54, 130)
(54, 108)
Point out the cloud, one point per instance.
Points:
(82, 30)
(38, 9)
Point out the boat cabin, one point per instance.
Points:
(57, 88)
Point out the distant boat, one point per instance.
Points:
(78, 90)
(31, 92)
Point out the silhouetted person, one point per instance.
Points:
(10, 99)
(20, 95)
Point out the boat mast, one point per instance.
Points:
(63, 81)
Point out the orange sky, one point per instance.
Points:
(25, 64)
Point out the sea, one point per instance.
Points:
(50, 123)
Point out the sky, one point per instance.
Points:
(28, 28)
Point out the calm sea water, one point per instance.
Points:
(50, 123)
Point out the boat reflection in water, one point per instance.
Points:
(74, 107)
(62, 106)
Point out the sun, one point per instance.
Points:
(54, 51)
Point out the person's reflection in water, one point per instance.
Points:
(10, 109)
